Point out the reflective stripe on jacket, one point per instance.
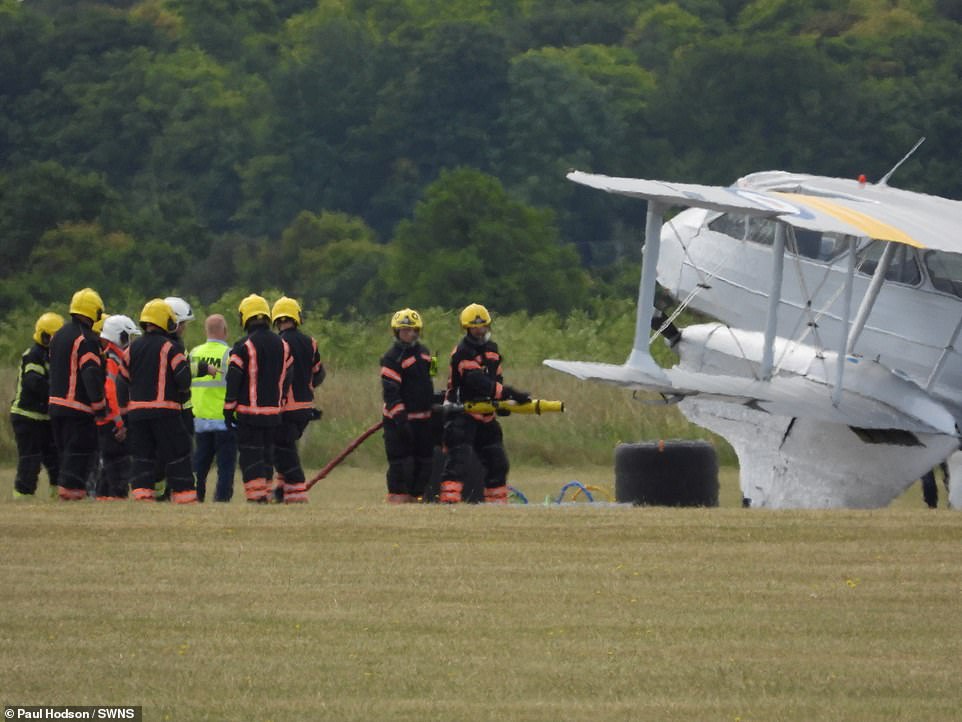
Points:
(258, 376)
(307, 371)
(406, 383)
(475, 374)
(76, 372)
(33, 385)
(159, 376)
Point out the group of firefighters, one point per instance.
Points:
(104, 410)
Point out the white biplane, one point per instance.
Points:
(834, 372)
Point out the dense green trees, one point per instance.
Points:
(365, 153)
(468, 238)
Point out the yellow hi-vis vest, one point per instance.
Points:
(207, 392)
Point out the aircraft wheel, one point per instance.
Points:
(667, 473)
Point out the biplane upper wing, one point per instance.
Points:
(832, 205)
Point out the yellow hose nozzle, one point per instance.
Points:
(535, 406)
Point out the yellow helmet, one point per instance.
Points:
(406, 318)
(252, 306)
(475, 315)
(286, 307)
(98, 326)
(87, 303)
(47, 325)
(158, 312)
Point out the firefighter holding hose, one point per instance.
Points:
(408, 395)
(476, 376)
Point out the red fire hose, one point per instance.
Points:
(344, 454)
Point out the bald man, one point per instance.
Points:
(211, 435)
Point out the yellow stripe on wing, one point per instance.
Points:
(869, 226)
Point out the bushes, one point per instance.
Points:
(597, 417)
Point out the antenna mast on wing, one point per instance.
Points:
(885, 178)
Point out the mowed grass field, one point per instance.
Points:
(348, 609)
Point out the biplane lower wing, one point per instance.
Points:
(893, 404)
(795, 448)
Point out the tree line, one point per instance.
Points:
(360, 154)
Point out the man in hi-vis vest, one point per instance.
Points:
(212, 438)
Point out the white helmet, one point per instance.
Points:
(119, 329)
(181, 309)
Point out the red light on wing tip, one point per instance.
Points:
(862, 179)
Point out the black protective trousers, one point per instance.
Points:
(410, 451)
(35, 449)
(462, 433)
(115, 465)
(160, 441)
(76, 440)
(287, 460)
(255, 451)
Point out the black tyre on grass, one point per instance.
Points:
(670, 473)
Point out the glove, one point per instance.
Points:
(230, 418)
(316, 414)
(521, 397)
(502, 412)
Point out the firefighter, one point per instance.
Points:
(306, 373)
(28, 412)
(114, 479)
(211, 436)
(408, 396)
(183, 313)
(257, 382)
(76, 393)
(476, 375)
(159, 377)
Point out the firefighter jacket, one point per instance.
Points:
(307, 371)
(406, 381)
(158, 374)
(475, 374)
(76, 372)
(116, 391)
(258, 377)
(33, 385)
(208, 390)
(185, 399)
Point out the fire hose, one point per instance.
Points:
(534, 406)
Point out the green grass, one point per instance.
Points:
(348, 609)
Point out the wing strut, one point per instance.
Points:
(943, 357)
(846, 322)
(774, 296)
(640, 354)
(868, 301)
